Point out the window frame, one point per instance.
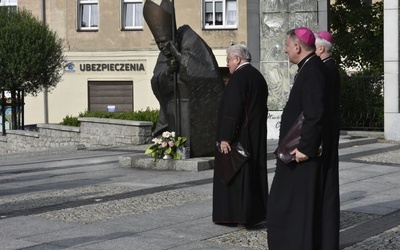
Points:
(80, 14)
(7, 3)
(224, 6)
(11, 6)
(124, 4)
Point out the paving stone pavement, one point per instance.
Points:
(68, 199)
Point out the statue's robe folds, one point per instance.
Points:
(199, 85)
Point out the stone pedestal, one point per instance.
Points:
(146, 162)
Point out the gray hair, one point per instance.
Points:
(240, 51)
(319, 41)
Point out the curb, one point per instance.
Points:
(356, 141)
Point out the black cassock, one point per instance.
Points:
(242, 116)
(295, 214)
(331, 200)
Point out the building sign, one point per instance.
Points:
(111, 108)
(111, 67)
(69, 67)
(124, 67)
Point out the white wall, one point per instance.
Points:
(391, 70)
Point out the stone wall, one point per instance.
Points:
(97, 132)
(93, 132)
(276, 18)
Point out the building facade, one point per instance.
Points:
(111, 52)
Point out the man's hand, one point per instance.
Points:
(299, 156)
(225, 147)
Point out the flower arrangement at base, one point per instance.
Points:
(168, 143)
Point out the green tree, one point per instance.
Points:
(31, 57)
(357, 27)
(358, 31)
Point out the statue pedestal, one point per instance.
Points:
(147, 162)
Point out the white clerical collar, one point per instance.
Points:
(241, 65)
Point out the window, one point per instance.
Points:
(8, 2)
(88, 15)
(220, 14)
(11, 4)
(132, 14)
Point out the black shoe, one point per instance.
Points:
(228, 224)
(256, 226)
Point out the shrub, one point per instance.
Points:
(150, 115)
(70, 121)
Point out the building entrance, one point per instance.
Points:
(112, 96)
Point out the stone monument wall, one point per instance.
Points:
(278, 17)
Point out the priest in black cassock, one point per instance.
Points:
(242, 117)
(331, 197)
(295, 202)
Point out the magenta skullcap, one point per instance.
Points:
(305, 35)
(326, 35)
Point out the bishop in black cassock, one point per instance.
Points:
(242, 117)
(295, 202)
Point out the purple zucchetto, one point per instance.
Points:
(326, 35)
(305, 35)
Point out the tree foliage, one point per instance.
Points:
(31, 55)
(358, 31)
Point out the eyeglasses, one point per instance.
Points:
(229, 58)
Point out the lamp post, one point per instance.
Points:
(3, 111)
(45, 90)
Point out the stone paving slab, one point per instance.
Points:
(392, 157)
(365, 232)
(79, 236)
(122, 207)
(105, 206)
(388, 240)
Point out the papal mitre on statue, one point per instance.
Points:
(159, 19)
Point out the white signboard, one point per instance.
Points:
(273, 124)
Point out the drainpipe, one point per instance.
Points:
(45, 90)
(323, 14)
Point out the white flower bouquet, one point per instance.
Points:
(168, 143)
